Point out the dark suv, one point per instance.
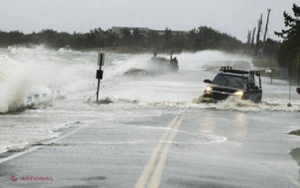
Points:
(230, 82)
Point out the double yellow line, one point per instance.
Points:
(168, 136)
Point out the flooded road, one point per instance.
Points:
(190, 149)
(152, 134)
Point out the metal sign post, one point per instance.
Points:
(289, 104)
(298, 88)
(99, 73)
(154, 61)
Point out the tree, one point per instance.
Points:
(292, 24)
(167, 38)
(196, 39)
(126, 35)
(137, 36)
(153, 41)
(290, 49)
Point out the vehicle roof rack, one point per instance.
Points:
(229, 69)
(225, 68)
(255, 72)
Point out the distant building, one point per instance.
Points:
(118, 30)
(143, 30)
(162, 32)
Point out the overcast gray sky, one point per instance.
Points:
(235, 17)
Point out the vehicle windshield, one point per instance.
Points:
(230, 81)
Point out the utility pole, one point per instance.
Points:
(258, 35)
(259, 29)
(249, 42)
(252, 41)
(253, 36)
(249, 37)
(267, 24)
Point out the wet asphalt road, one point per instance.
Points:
(195, 148)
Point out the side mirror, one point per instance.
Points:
(207, 81)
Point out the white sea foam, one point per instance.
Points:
(33, 74)
(43, 76)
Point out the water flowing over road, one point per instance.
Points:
(153, 132)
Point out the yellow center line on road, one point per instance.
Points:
(149, 166)
(156, 176)
(143, 179)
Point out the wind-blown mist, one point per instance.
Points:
(39, 76)
(64, 82)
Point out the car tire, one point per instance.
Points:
(258, 99)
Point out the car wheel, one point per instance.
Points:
(258, 99)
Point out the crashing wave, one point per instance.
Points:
(24, 98)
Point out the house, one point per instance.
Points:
(118, 30)
(143, 30)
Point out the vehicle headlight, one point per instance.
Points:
(208, 89)
(239, 94)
